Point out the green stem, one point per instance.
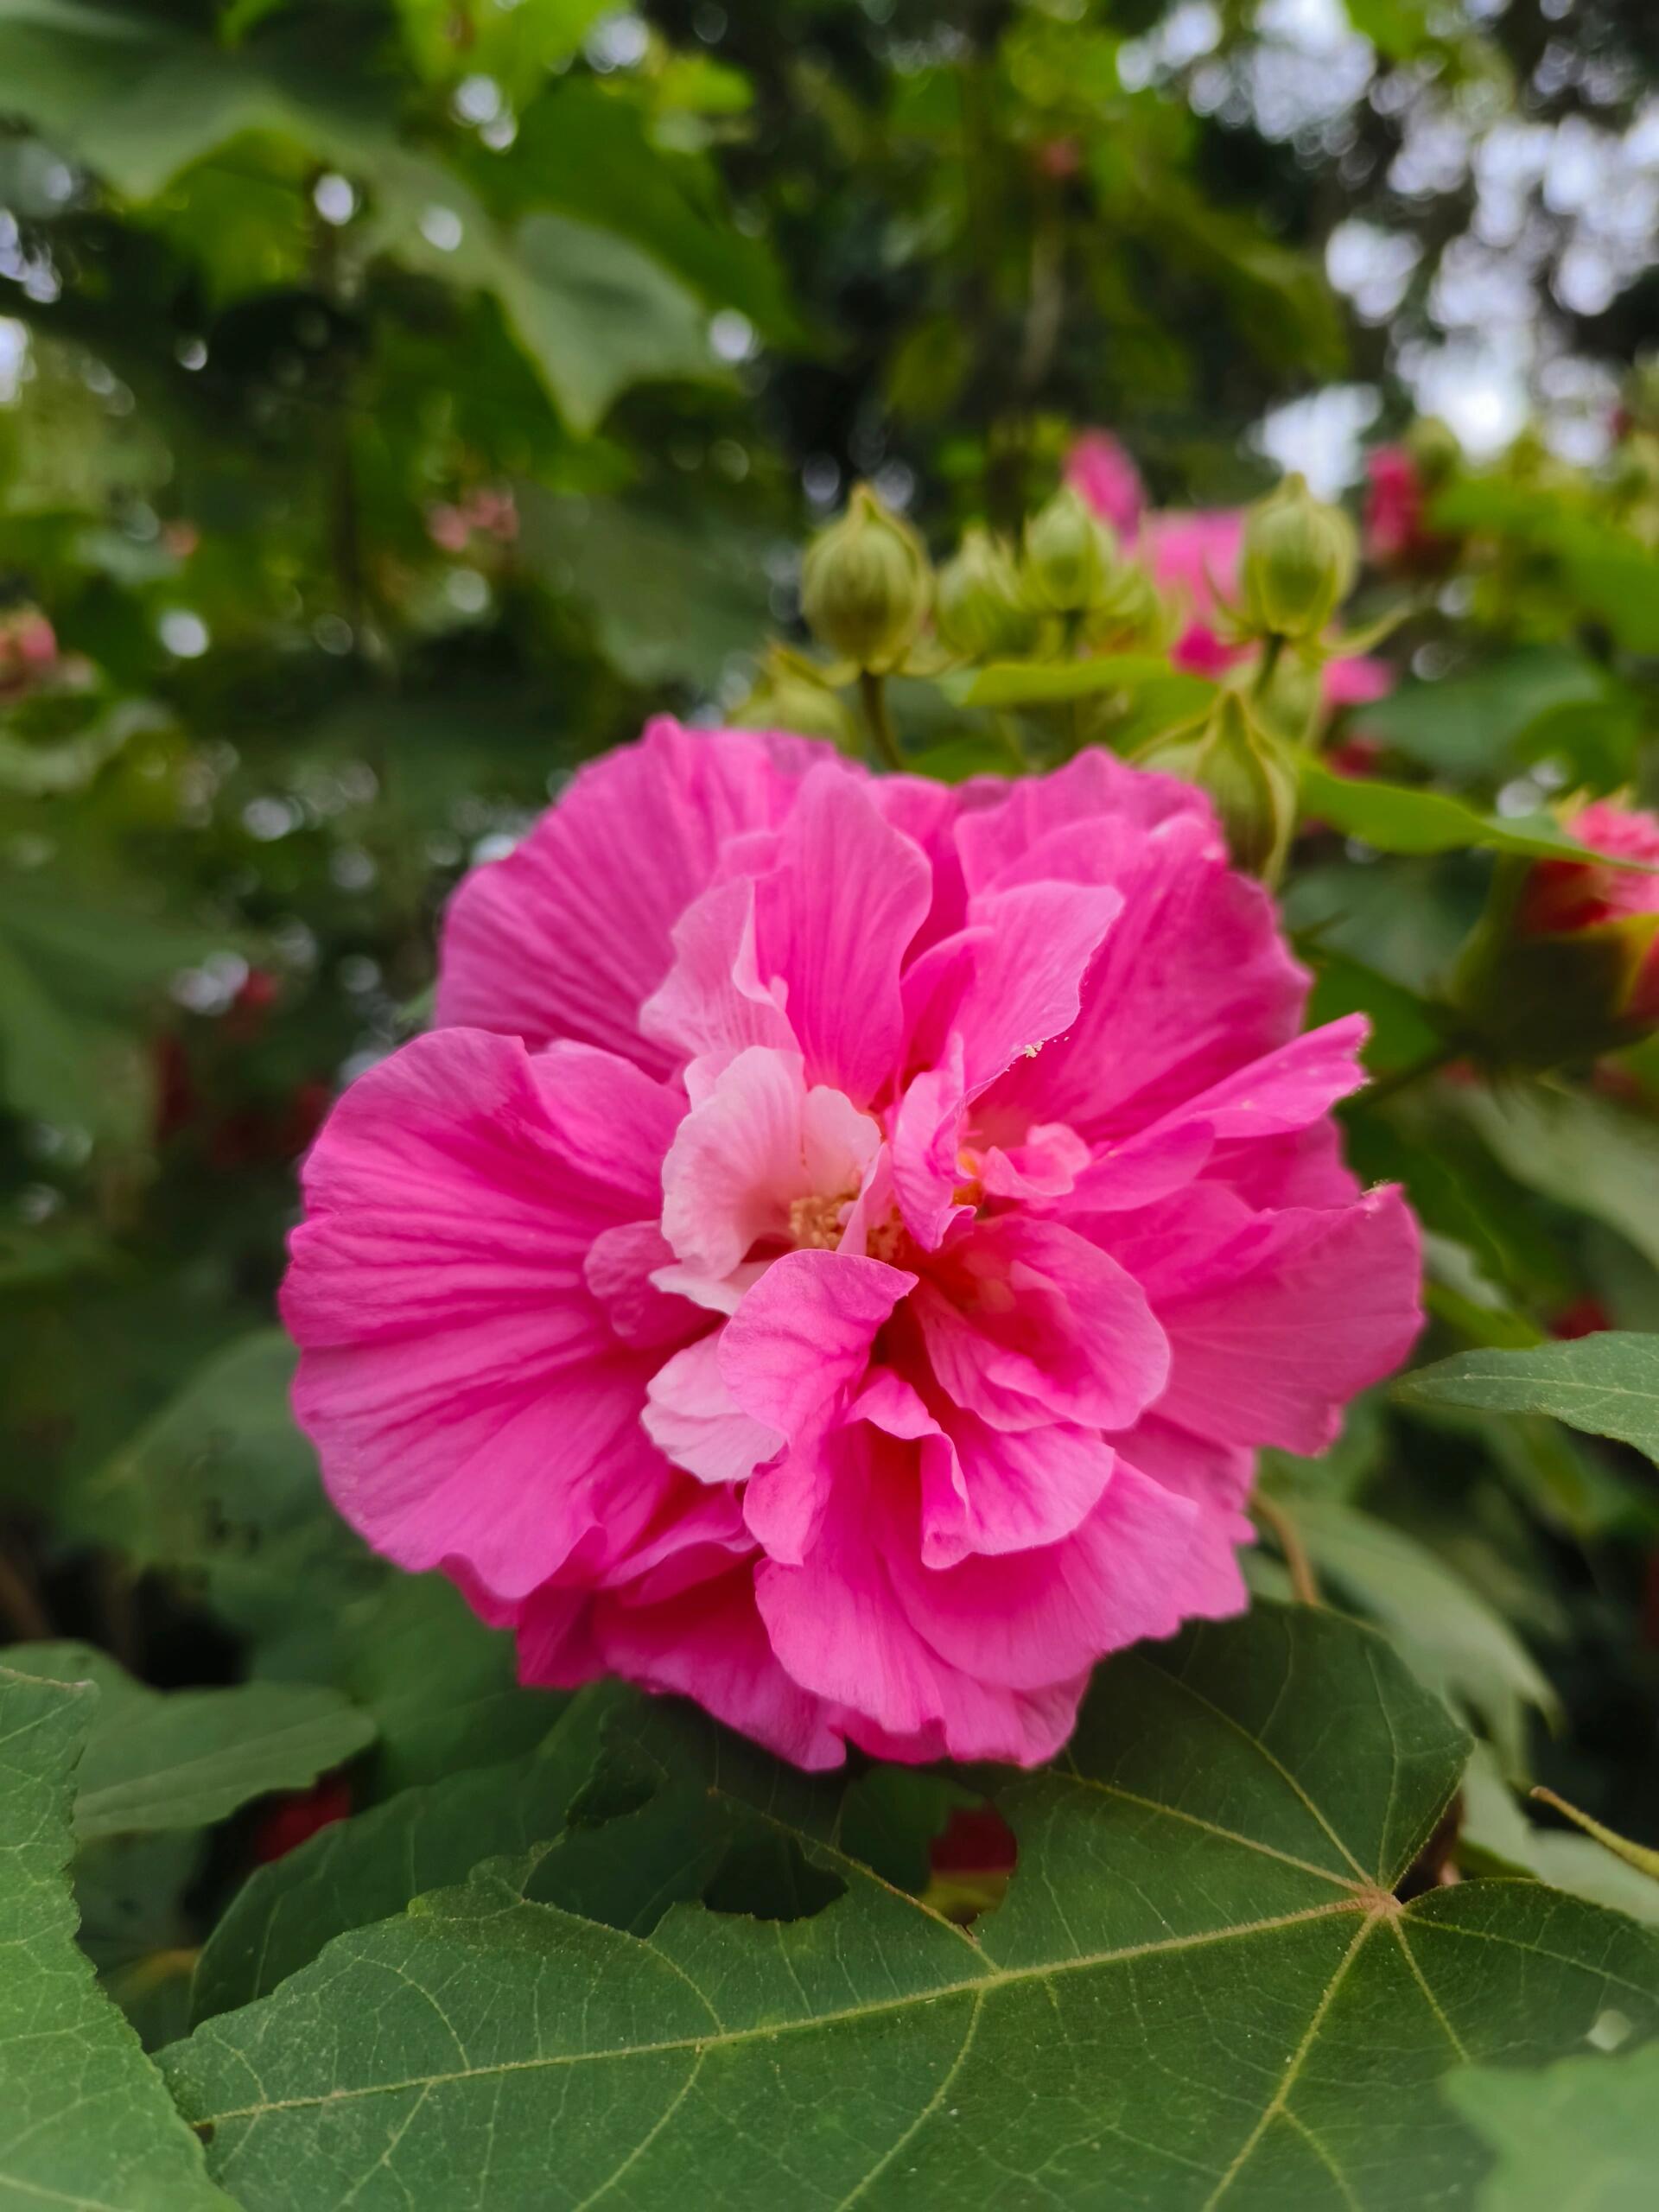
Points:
(872, 696)
(1279, 1525)
(1268, 667)
(1390, 1086)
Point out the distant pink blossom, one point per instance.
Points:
(1100, 468)
(1396, 531)
(28, 649)
(840, 1251)
(482, 512)
(1359, 680)
(1564, 896)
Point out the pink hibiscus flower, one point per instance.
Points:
(1100, 468)
(840, 1252)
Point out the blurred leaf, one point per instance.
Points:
(139, 98)
(1404, 1030)
(1607, 1383)
(1044, 682)
(221, 1484)
(441, 1686)
(1470, 726)
(167, 1759)
(129, 1890)
(83, 2121)
(978, 753)
(1583, 1150)
(1447, 1631)
(1215, 1855)
(371, 1866)
(1398, 818)
(1583, 2132)
(674, 597)
(584, 149)
(1496, 1835)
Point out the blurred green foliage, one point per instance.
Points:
(401, 399)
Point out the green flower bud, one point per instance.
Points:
(866, 585)
(1132, 613)
(1433, 445)
(981, 607)
(1299, 562)
(1070, 554)
(1249, 775)
(790, 693)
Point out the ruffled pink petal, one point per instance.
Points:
(1036, 1617)
(834, 922)
(1191, 985)
(836, 1625)
(1094, 788)
(801, 1340)
(693, 1419)
(1029, 948)
(1302, 1310)
(467, 1394)
(706, 1642)
(569, 934)
(927, 1140)
(1027, 1323)
(793, 1356)
(1283, 1093)
(713, 1003)
(1046, 1163)
(758, 1142)
(618, 1271)
(985, 1490)
(1218, 1478)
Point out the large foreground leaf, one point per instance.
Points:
(1202, 1989)
(1607, 1384)
(83, 2121)
(157, 1760)
(1583, 2136)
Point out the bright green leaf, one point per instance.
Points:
(1580, 2135)
(83, 2119)
(1450, 1635)
(1199, 1990)
(1399, 818)
(1606, 1384)
(158, 1760)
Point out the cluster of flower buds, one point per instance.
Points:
(868, 590)
(1564, 964)
(983, 610)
